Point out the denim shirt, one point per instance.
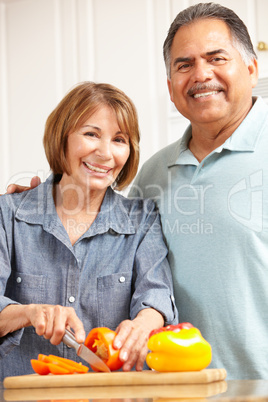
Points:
(114, 270)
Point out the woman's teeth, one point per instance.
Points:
(95, 169)
(205, 94)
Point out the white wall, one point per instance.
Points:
(47, 46)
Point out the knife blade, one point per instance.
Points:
(84, 352)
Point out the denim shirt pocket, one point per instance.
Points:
(27, 288)
(114, 296)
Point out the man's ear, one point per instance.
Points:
(253, 72)
(170, 89)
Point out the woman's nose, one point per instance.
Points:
(104, 149)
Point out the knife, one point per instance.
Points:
(84, 352)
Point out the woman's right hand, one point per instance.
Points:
(16, 188)
(48, 320)
(51, 321)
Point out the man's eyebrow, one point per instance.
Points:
(217, 51)
(182, 60)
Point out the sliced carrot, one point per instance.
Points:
(40, 367)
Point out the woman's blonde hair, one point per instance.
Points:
(72, 112)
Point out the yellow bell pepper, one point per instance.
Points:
(183, 350)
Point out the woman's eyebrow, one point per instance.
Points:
(94, 127)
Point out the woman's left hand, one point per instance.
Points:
(132, 337)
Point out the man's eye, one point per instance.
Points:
(218, 60)
(184, 67)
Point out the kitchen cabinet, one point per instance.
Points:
(47, 46)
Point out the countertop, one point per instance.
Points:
(239, 390)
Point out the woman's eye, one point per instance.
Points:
(121, 140)
(90, 134)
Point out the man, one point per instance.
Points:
(211, 188)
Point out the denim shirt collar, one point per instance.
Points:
(244, 138)
(37, 207)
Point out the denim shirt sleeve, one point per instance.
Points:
(12, 339)
(153, 281)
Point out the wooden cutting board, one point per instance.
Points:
(157, 393)
(146, 377)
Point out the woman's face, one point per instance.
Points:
(97, 151)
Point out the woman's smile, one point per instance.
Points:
(96, 168)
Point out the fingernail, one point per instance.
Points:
(124, 356)
(117, 344)
(81, 337)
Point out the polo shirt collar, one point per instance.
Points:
(244, 138)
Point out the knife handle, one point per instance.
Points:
(69, 340)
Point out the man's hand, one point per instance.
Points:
(16, 188)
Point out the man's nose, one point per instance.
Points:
(202, 71)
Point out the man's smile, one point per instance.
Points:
(200, 95)
(202, 90)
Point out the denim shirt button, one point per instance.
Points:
(19, 279)
(71, 299)
(122, 279)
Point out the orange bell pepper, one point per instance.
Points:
(56, 365)
(100, 341)
(180, 350)
(40, 367)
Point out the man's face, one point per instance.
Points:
(209, 81)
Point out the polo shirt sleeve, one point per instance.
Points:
(153, 286)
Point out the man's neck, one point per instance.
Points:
(203, 143)
(207, 137)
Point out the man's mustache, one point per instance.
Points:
(204, 87)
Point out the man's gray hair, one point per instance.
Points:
(239, 32)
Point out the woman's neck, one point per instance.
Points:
(77, 209)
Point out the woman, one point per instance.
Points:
(74, 253)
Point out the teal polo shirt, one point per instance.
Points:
(214, 216)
